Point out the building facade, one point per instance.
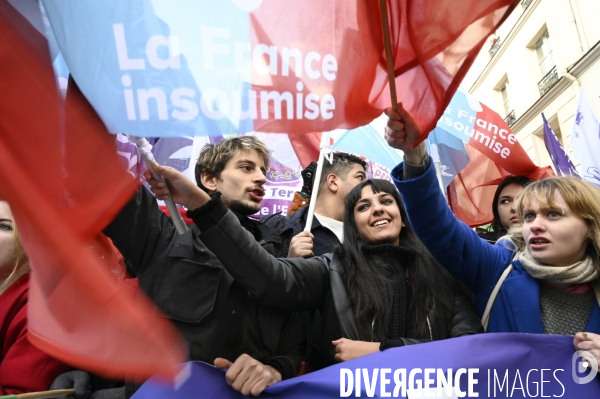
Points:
(537, 61)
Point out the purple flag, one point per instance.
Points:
(560, 159)
(505, 365)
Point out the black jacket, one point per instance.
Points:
(300, 284)
(190, 286)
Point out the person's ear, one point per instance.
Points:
(333, 183)
(208, 181)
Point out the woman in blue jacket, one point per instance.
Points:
(550, 267)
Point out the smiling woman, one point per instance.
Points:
(395, 286)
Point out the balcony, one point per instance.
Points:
(526, 3)
(548, 81)
(510, 118)
(495, 47)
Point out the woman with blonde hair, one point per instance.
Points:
(542, 278)
(23, 367)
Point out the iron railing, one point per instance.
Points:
(495, 47)
(525, 3)
(510, 118)
(548, 81)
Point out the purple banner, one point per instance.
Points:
(485, 365)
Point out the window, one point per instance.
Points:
(507, 104)
(543, 50)
(504, 90)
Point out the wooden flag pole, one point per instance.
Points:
(388, 53)
(41, 394)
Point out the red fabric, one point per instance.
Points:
(23, 367)
(434, 43)
(182, 212)
(471, 193)
(579, 288)
(103, 249)
(307, 147)
(494, 153)
(60, 173)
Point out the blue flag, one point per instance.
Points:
(449, 151)
(365, 141)
(485, 365)
(561, 161)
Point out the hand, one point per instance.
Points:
(347, 349)
(247, 375)
(585, 341)
(301, 245)
(183, 190)
(403, 132)
(77, 379)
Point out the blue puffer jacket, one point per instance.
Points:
(474, 261)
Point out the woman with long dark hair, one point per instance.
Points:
(505, 215)
(393, 276)
(380, 289)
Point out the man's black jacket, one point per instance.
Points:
(190, 286)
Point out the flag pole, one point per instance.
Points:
(145, 150)
(388, 53)
(40, 394)
(316, 181)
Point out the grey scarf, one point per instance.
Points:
(580, 272)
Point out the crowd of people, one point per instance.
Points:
(384, 265)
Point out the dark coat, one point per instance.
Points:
(23, 367)
(301, 284)
(288, 227)
(190, 286)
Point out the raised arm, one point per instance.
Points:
(455, 245)
(291, 284)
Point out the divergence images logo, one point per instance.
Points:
(581, 362)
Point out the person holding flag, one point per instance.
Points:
(545, 276)
(222, 324)
(337, 179)
(326, 233)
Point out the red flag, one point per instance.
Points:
(494, 153)
(307, 147)
(434, 43)
(429, 63)
(60, 174)
(471, 193)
